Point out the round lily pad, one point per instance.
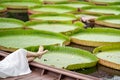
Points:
(109, 21)
(18, 5)
(96, 36)
(2, 9)
(115, 4)
(18, 38)
(102, 10)
(86, 15)
(9, 23)
(53, 17)
(66, 57)
(76, 4)
(103, 1)
(59, 27)
(109, 55)
(51, 8)
(55, 1)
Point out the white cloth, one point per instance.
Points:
(15, 64)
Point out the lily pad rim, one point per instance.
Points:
(73, 50)
(52, 14)
(11, 20)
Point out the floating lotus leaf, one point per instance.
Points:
(109, 55)
(66, 57)
(9, 23)
(55, 1)
(76, 4)
(2, 11)
(24, 38)
(96, 36)
(115, 4)
(53, 17)
(51, 8)
(102, 10)
(2, 8)
(59, 27)
(18, 5)
(86, 15)
(103, 1)
(109, 21)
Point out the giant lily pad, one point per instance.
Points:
(9, 23)
(59, 27)
(110, 21)
(86, 15)
(51, 8)
(55, 1)
(18, 5)
(76, 4)
(109, 55)
(115, 4)
(2, 11)
(67, 57)
(96, 36)
(102, 10)
(24, 38)
(53, 17)
(103, 1)
(2, 8)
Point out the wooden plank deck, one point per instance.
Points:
(44, 72)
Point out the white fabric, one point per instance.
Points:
(14, 64)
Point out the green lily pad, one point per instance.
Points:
(51, 8)
(102, 10)
(110, 21)
(96, 36)
(86, 15)
(103, 1)
(9, 23)
(115, 4)
(55, 1)
(18, 6)
(76, 4)
(109, 55)
(67, 57)
(2, 8)
(24, 38)
(52, 17)
(19, 3)
(59, 27)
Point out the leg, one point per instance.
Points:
(32, 55)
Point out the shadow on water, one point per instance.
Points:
(22, 16)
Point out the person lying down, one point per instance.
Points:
(17, 64)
